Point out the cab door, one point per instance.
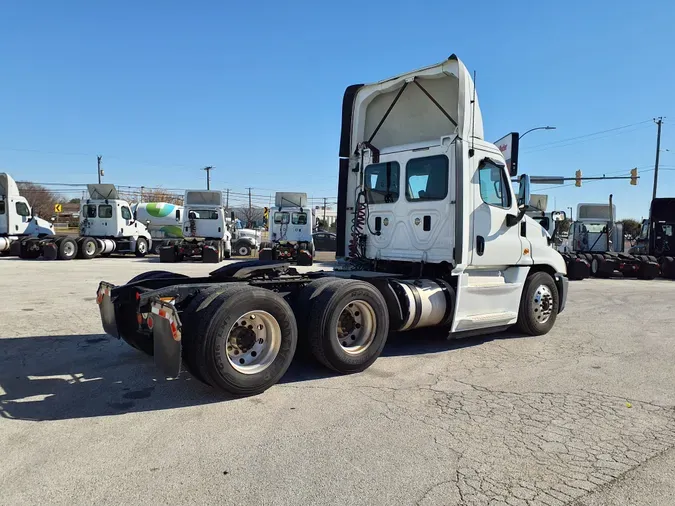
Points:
(494, 243)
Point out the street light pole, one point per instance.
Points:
(536, 128)
(570, 213)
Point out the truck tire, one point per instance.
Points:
(266, 244)
(67, 248)
(648, 271)
(538, 305)
(141, 247)
(668, 268)
(230, 350)
(302, 307)
(266, 254)
(243, 249)
(596, 261)
(88, 248)
(348, 326)
(28, 249)
(128, 322)
(50, 251)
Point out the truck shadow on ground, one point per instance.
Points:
(81, 376)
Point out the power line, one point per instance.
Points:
(584, 136)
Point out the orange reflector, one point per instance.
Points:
(526, 251)
(99, 299)
(138, 295)
(162, 313)
(151, 322)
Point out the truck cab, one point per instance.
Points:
(16, 216)
(290, 226)
(105, 215)
(421, 191)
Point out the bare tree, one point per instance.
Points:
(152, 195)
(41, 199)
(249, 216)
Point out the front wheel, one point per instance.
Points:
(141, 247)
(243, 249)
(538, 305)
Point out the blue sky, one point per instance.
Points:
(161, 89)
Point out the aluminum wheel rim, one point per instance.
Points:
(68, 249)
(141, 246)
(594, 265)
(253, 342)
(543, 303)
(355, 330)
(243, 251)
(90, 248)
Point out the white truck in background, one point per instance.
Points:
(430, 233)
(107, 226)
(205, 230)
(17, 221)
(290, 225)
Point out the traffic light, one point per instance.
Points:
(633, 176)
(578, 176)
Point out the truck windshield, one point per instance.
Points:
(89, 211)
(281, 217)
(105, 211)
(299, 218)
(592, 228)
(202, 214)
(382, 182)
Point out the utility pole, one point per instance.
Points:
(208, 176)
(227, 199)
(142, 188)
(324, 211)
(99, 157)
(659, 121)
(571, 217)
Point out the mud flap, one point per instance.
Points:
(166, 331)
(107, 309)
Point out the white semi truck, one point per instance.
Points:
(290, 226)
(205, 227)
(430, 234)
(596, 237)
(17, 221)
(107, 226)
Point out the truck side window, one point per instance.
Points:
(126, 214)
(281, 217)
(299, 219)
(22, 209)
(105, 211)
(90, 211)
(494, 190)
(382, 182)
(427, 178)
(2, 207)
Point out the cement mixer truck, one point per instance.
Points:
(164, 222)
(17, 221)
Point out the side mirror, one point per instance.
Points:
(523, 191)
(558, 216)
(545, 223)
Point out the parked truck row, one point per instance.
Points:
(431, 233)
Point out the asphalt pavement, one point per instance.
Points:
(583, 415)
